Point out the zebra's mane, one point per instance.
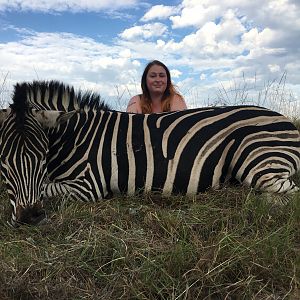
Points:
(53, 95)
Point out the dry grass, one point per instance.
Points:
(229, 244)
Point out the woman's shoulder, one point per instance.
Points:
(177, 103)
(135, 99)
(134, 104)
(177, 97)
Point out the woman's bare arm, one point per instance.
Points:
(177, 103)
(134, 105)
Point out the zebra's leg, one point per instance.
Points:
(278, 183)
(52, 189)
(282, 185)
(79, 189)
(270, 175)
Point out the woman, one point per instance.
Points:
(159, 94)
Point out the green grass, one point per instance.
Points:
(228, 244)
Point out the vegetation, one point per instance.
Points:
(227, 244)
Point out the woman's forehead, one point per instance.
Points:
(157, 69)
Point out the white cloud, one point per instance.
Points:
(73, 59)
(145, 31)
(273, 13)
(175, 73)
(159, 12)
(195, 13)
(292, 69)
(202, 76)
(214, 40)
(264, 38)
(279, 14)
(230, 27)
(126, 53)
(257, 37)
(146, 50)
(64, 5)
(274, 68)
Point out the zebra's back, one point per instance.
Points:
(183, 152)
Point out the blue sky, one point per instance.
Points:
(218, 53)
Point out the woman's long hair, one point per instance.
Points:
(168, 93)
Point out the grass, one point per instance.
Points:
(229, 244)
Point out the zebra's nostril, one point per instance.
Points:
(39, 217)
(33, 215)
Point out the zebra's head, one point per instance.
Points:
(23, 153)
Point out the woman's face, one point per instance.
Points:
(156, 80)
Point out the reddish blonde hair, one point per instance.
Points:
(169, 93)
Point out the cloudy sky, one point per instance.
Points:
(224, 51)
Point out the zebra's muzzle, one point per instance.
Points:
(32, 215)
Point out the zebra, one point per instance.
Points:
(55, 141)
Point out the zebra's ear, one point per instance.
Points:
(4, 114)
(65, 116)
(52, 118)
